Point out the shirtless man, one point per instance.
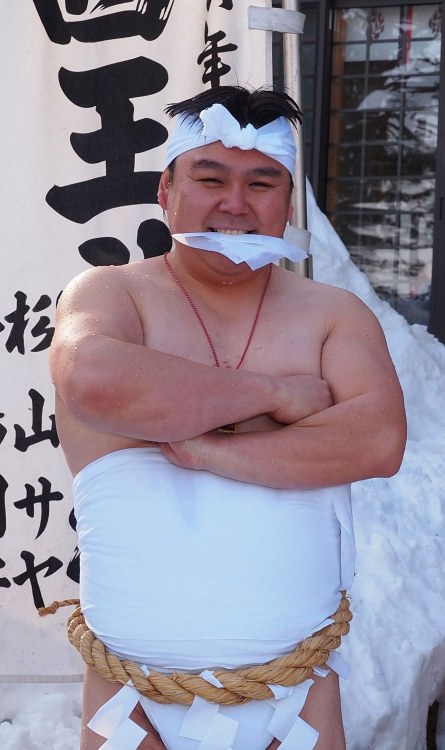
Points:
(149, 355)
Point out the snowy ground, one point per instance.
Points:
(397, 643)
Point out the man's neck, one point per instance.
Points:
(214, 271)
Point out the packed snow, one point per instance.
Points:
(396, 647)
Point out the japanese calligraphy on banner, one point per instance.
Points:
(84, 86)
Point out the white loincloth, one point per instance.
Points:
(210, 572)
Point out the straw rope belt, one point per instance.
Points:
(239, 685)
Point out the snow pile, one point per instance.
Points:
(40, 717)
(396, 647)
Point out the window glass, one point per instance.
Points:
(383, 144)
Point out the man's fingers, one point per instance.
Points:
(302, 395)
(172, 451)
(187, 453)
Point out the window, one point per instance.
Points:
(383, 133)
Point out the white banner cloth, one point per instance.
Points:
(83, 143)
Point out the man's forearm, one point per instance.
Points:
(150, 395)
(139, 392)
(345, 443)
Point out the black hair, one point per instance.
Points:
(257, 106)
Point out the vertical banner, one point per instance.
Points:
(84, 86)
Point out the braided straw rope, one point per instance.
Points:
(239, 685)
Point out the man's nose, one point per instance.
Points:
(234, 200)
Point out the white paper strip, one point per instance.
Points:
(338, 664)
(128, 737)
(297, 236)
(320, 672)
(208, 676)
(115, 711)
(220, 734)
(198, 718)
(280, 691)
(287, 710)
(276, 19)
(301, 736)
(254, 249)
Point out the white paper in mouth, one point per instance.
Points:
(256, 250)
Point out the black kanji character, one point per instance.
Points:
(51, 565)
(45, 498)
(110, 89)
(23, 441)
(214, 68)
(104, 251)
(73, 567)
(4, 582)
(147, 20)
(3, 487)
(226, 4)
(16, 338)
(153, 238)
(3, 429)
(41, 328)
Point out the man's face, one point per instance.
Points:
(226, 190)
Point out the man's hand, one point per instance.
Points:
(189, 454)
(301, 395)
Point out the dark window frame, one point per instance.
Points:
(437, 311)
(318, 177)
(316, 166)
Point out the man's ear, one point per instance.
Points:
(164, 185)
(290, 211)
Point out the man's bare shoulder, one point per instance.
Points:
(106, 300)
(123, 277)
(325, 299)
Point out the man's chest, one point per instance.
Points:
(278, 341)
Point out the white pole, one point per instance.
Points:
(293, 86)
(289, 22)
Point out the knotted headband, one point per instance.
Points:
(275, 140)
(217, 124)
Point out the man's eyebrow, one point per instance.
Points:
(254, 172)
(265, 172)
(208, 164)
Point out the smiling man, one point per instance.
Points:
(214, 409)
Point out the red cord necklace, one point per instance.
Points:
(202, 324)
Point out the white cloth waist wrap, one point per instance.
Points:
(185, 570)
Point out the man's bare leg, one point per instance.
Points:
(96, 692)
(322, 711)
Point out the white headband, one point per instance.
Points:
(217, 124)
